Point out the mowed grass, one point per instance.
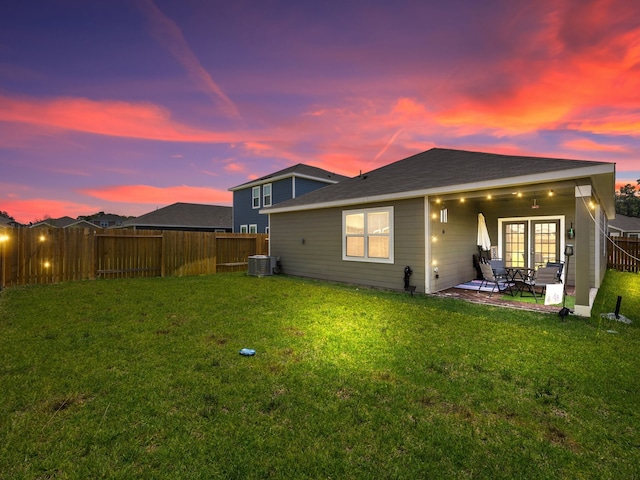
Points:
(142, 379)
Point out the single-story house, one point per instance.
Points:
(423, 212)
(184, 216)
(623, 226)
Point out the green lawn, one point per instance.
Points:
(142, 379)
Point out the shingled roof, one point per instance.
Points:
(184, 216)
(299, 170)
(441, 170)
(625, 223)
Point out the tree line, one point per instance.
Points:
(628, 200)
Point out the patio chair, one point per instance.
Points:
(498, 267)
(559, 266)
(540, 278)
(499, 282)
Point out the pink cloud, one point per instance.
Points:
(146, 194)
(109, 117)
(234, 167)
(36, 209)
(589, 145)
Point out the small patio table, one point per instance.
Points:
(518, 275)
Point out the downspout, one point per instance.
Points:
(269, 237)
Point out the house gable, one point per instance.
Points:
(284, 184)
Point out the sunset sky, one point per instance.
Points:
(124, 106)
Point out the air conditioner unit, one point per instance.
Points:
(261, 265)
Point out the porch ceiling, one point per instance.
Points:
(564, 189)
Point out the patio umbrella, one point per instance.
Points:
(483, 234)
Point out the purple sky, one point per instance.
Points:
(124, 106)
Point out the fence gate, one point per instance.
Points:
(128, 256)
(234, 251)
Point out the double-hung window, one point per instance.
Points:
(255, 197)
(266, 195)
(367, 235)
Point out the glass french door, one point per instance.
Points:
(515, 244)
(530, 243)
(546, 242)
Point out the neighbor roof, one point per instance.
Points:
(6, 222)
(439, 171)
(64, 222)
(184, 215)
(299, 170)
(625, 223)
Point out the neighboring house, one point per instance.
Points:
(623, 226)
(63, 222)
(8, 222)
(108, 220)
(184, 216)
(272, 189)
(422, 212)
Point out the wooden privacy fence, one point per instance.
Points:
(621, 252)
(49, 255)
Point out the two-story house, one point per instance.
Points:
(274, 188)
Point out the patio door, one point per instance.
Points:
(515, 243)
(530, 242)
(546, 241)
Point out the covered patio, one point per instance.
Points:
(499, 300)
(527, 226)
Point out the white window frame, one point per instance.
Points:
(244, 229)
(266, 195)
(529, 220)
(253, 228)
(390, 235)
(255, 197)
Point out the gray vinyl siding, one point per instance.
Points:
(320, 254)
(453, 244)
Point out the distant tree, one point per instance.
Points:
(88, 218)
(628, 201)
(6, 215)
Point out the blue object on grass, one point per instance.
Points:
(247, 351)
